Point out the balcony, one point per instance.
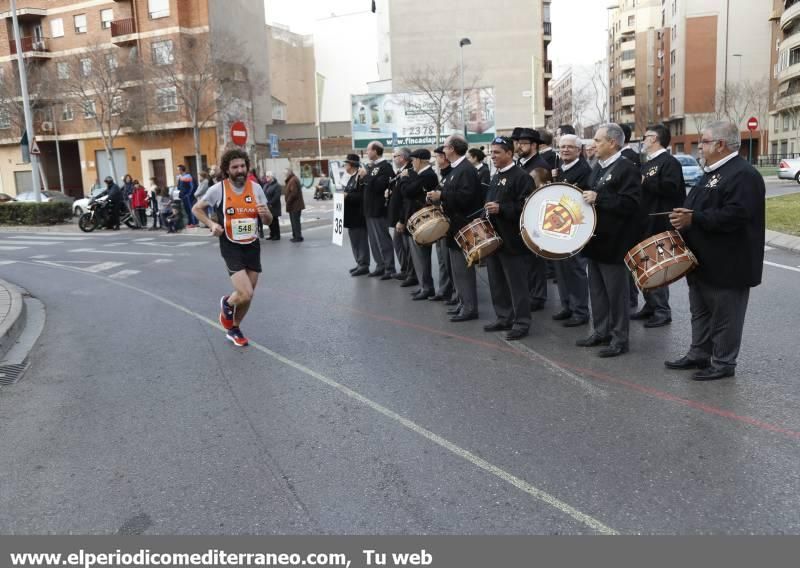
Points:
(31, 47)
(789, 73)
(628, 82)
(627, 64)
(548, 104)
(791, 14)
(26, 13)
(628, 101)
(548, 69)
(548, 31)
(123, 31)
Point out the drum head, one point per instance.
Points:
(431, 231)
(557, 220)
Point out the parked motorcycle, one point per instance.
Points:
(99, 214)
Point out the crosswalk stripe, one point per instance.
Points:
(122, 274)
(6, 262)
(40, 256)
(124, 252)
(162, 260)
(103, 266)
(11, 248)
(31, 243)
(192, 244)
(49, 238)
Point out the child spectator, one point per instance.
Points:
(139, 204)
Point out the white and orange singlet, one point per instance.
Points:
(240, 212)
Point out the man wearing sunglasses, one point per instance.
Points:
(723, 224)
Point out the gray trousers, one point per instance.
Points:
(360, 245)
(465, 282)
(509, 288)
(446, 288)
(381, 244)
(421, 255)
(573, 285)
(402, 248)
(608, 288)
(537, 282)
(657, 301)
(717, 322)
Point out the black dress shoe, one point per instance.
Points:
(714, 373)
(409, 282)
(612, 351)
(575, 321)
(464, 317)
(399, 276)
(422, 295)
(593, 341)
(388, 276)
(360, 272)
(516, 334)
(375, 273)
(642, 314)
(437, 298)
(562, 315)
(537, 306)
(497, 326)
(354, 269)
(685, 363)
(658, 321)
(451, 303)
(454, 311)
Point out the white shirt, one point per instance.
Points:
(566, 167)
(504, 170)
(611, 160)
(656, 154)
(423, 169)
(461, 159)
(378, 161)
(722, 162)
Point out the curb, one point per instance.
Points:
(12, 325)
(782, 241)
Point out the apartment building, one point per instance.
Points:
(784, 123)
(562, 95)
(292, 76)
(507, 50)
(136, 38)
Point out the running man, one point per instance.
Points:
(238, 202)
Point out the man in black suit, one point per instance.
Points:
(572, 280)
(461, 197)
(615, 192)
(397, 218)
(528, 151)
(508, 267)
(420, 180)
(529, 160)
(446, 291)
(628, 152)
(723, 224)
(376, 182)
(663, 189)
(354, 219)
(546, 151)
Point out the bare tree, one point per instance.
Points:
(104, 91)
(581, 101)
(757, 92)
(736, 102)
(11, 108)
(600, 88)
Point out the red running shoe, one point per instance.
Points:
(236, 337)
(225, 313)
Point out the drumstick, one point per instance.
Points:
(665, 213)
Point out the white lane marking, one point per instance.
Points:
(558, 369)
(123, 252)
(31, 243)
(11, 248)
(123, 274)
(468, 456)
(162, 260)
(41, 256)
(7, 262)
(768, 248)
(144, 240)
(49, 238)
(116, 244)
(102, 266)
(193, 244)
(776, 265)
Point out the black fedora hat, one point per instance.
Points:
(422, 154)
(516, 132)
(530, 134)
(353, 159)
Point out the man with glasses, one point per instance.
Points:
(376, 182)
(615, 193)
(571, 278)
(723, 222)
(663, 189)
(446, 291)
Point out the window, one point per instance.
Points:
(775, 124)
(167, 99)
(57, 27)
(106, 17)
(5, 119)
(89, 109)
(628, 55)
(672, 57)
(86, 67)
(66, 113)
(794, 56)
(158, 8)
(133, 55)
(162, 52)
(111, 60)
(63, 70)
(117, 105)
(631, 20)
(80, 24)
(672, 106)
(785, 122)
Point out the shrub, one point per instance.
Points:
(23, 213)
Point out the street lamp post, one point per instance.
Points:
(464, 41)
(739, 56)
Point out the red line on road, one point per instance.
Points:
(656, 393)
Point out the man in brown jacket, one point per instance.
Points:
(294, 204)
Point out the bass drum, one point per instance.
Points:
(428, 225)
(556, 222)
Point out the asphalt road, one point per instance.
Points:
(776, 187)
(358, 411)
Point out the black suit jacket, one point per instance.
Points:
(619, 192)
(353, 203)
(415, 189)
(578, 175)
(395, 211)
(485, 177)
(727, 230)
(461, 196)
(663, 189)
(633, 156)
(376, 182)
(533, 163)
(550, 157)
(510, 190)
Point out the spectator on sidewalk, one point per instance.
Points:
(294, 204)
(152, 198)
(273, 190)
(185, 185)
(139, 204)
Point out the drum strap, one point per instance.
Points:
(596, 172)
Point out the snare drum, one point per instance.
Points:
(428, 225)
(478, 240)
(660, 260)
(556, 222)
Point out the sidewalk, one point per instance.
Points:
(782, 241)
(11, 316)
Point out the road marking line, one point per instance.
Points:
(41, 256)
(11, 248)
(468, 456)
(123, 252)
(768, 248)
(162, 260)
(124, 274)
(776, 265)
(7, 262)
(193, 244)
(32, 243)
(144, 240)
(102, 266)
(49, 238)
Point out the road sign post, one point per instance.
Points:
(752, 124)
(239, 133)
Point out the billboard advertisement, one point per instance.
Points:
(412, 118)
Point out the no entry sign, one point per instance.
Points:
(239, 133)
(752, 124)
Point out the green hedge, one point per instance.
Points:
(50, 213)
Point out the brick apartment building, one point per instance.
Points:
(136, 37)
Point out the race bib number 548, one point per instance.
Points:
(243, 229)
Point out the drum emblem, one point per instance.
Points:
(560, 218)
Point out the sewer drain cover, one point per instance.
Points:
(10, 374)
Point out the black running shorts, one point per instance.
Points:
(240, 257)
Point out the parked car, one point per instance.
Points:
(692, 171)
(47, 195)
(81, 206)
(5, 198)
(789, 168)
